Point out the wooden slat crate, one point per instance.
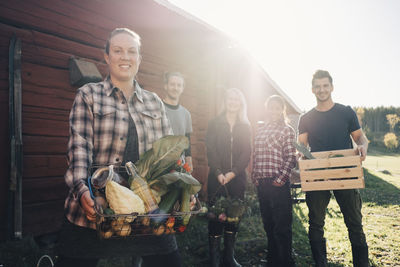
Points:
(343, 173)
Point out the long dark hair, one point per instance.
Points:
(278, 99)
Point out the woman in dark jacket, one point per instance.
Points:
(228, 143)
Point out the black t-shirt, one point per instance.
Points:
(329, 130)
(131, 152)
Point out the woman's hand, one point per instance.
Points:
(221, 179)
(278, 183)
(229, 176)
(87, 204)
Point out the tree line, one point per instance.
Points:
(381, 125)
(376, 120)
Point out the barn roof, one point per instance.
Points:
(227, 40)
(51, 32)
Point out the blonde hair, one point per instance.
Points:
(243, 106)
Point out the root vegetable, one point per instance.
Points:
(124, 230)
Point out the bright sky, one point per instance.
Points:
(357, 41)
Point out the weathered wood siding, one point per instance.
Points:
(54, 30)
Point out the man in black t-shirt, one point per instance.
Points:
(332, 126)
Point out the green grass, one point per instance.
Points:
(381, 161)
(381, 211)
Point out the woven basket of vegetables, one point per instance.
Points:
(225, 209)
(156, 199)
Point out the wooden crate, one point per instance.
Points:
(343, 173)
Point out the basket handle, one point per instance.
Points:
(219, 188)
(110, 176)
(90, 187)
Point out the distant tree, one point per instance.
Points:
(392, 119)
(360, 114)
(391, 141)
(375, 118)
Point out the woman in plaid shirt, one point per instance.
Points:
(273, 160)
(111, 122)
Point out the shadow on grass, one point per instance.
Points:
(252, 242)
(20, 252)
(251, 245)
(379, 191)
(381, 152)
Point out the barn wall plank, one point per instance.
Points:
(42, 218)
(51, 32)
(44, 189)
(45, 145)
(40, 166)
(33, 16)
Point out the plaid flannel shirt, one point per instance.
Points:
(98, 134)
(274, 154)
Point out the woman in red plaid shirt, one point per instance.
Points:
(274, 158)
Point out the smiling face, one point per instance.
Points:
(123, 58)
(322, 89)
(274, 111)
(233, 103)
(174, 88)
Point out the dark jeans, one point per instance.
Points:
(350, 205)
(216, 228)
(76, 262)
(168, 260)
(80, 246)
(276, 213)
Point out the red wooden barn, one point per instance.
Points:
(53, 31)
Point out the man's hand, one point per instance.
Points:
(362, 143)
(87, 204)
(229, 176)
(362, 151)
(221, 179)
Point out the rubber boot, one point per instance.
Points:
(229, 247)
(318, 249)
(214, 243)
(360, 256)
